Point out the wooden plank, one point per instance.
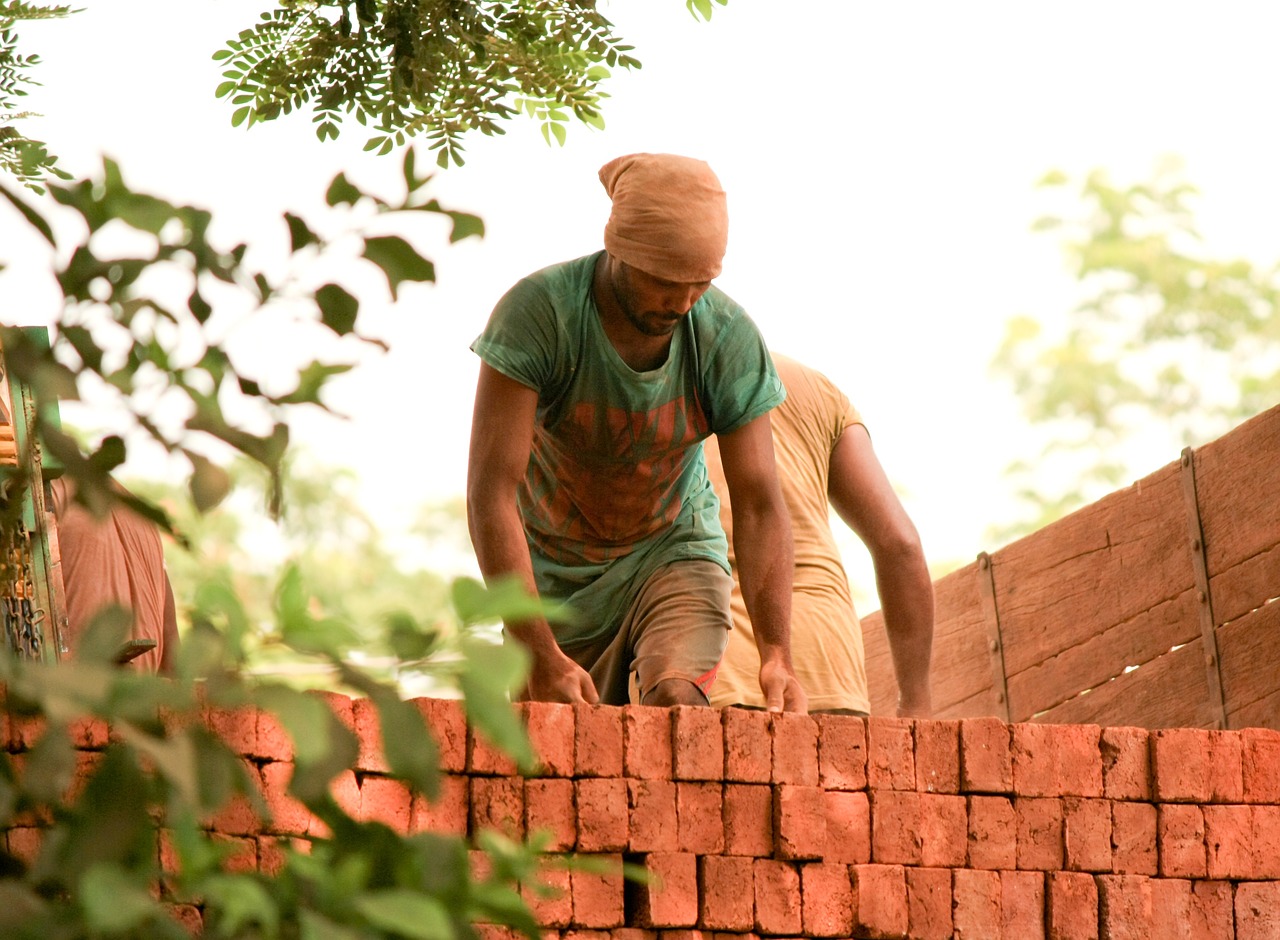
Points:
(1104, 656)
(1250, 650)
(1169, 692)
(980, 705)
(1237, 477)
(1101, 566)
(961, 661)
(1264, 713)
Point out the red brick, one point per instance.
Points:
(993, 833)
(697, 743)
(986, 763)
(937, 756)
(370, 757)
(1258, 910)
(548, 893)
(88, 732)
(1039, 833)
(238, 815)
(842, 752)
(187, 916)
(826, 900)
(726, 893)
(1261, 764)
(1126, 763)
(1226, 767)
(345, 790)
(671, 899)
(1266, 842)
(1133, 838)
(1170, 908)
(1124, 907)
(24, 843)
(748, 746)
(748, 820)
(236, 727)
(1228, 840)
(1181, 841)
(386, 800)
(603, 814)
(551, 730)
(799, 822)
(848, 826)
(272, 851)
(598, 740)
(241, 853)
(597, 891)
(944, 828)
(795, 748)
(486, 758)
(651, 815)
(1180, 765)
(1022, 911)
(777, 897)
(891, 762)
(449, 813)
(1086, 834)
(975, 906)
(929, 903)
(549, 809)
(895, 827)
(1071, 906)
(880, 893)
(646, 742)
(700, 818)
(288, 815)
(448, 725)
(1056, 760)
(1211, 910)
(497, 803)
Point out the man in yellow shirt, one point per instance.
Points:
(823, 452)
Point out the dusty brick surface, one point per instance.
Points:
(842, 752)
(748, 820)
(448, 724)
(1180, 765)
(748, 746)
(1258, 910)
(1170, 908)
(697, 743)
(549, 806)
(1086, 834)
(1071, 906)
(498, 803)
(1226, 767)
(486, 758)
(777, 897)
(603, 817)
(880, 896)
(1040, 844)
(1180, 834)
(386, 800)
(1056, 760)
(975, 907)
(646, 735)
(1260, 765)
(449, 813)
(652, 815)
(551, 730)
(848, 826)
(937, 756)
(671, 900)
(891, 762)
(1133, 838)
(895, 827)
(549, 893)
(993, 833)
(288, 815)
(1228, 840)
(726, 893)
(1266, 842)
(799, 822)
(1211, 909)
(364, 715)
(795, 749)
(1126, 763)
(1124, 907)
(598, 740)
(929, 903)
(699, 817)
(944, 830)
(986, 763)
(1022, 911)
(598, 893)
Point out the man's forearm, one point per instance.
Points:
(763, 550)
(906, 600)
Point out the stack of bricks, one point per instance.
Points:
(758, 825)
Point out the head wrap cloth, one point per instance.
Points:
(669, 219)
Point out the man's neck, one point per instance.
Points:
(641, 352)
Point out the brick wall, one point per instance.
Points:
(796, 826)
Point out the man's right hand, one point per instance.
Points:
(557, 678)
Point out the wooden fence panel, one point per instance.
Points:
(1249, 648)
(1103, 589)
(1238, 484)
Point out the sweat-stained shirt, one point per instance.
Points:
(617, 485)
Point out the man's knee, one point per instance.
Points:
(675, 692)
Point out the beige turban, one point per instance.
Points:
(669, 216)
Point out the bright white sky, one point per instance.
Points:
(880, 161)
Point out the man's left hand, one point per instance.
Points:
(781, 688)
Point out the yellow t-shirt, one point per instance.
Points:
(826, 639)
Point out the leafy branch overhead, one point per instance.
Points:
(438, 70)
(26, 159)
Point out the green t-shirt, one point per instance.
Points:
(617, 485)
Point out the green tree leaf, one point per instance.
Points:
(398, 260)
(406, 913)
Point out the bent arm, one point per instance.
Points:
(763, 551)
(863, 497)
(501, 440)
